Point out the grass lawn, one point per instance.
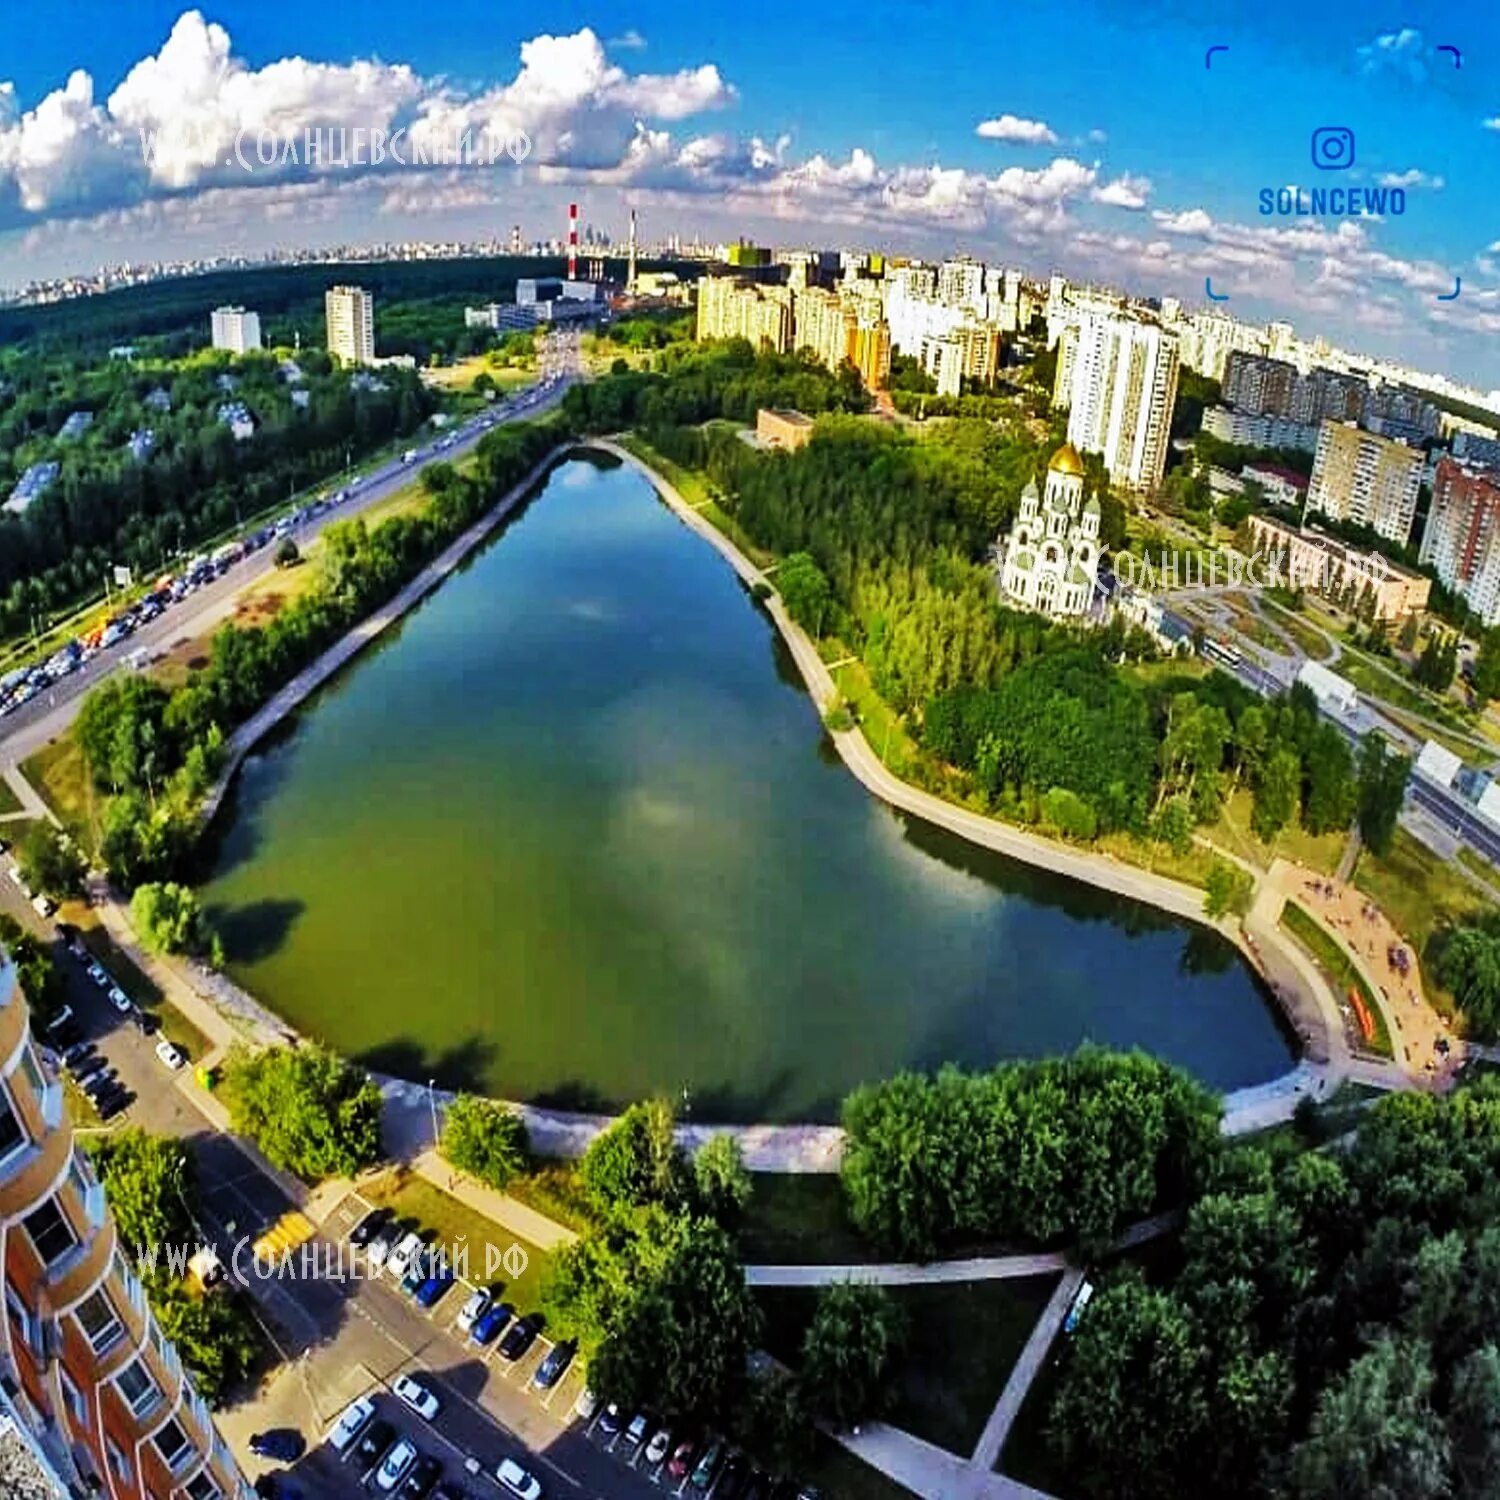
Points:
(835, 1471)
(1026, 1455)
(1422, 895)
(881, 723)
(554, 1189)
(798, 1218)
(1477, 864)
(1311, 642)
(962, 1340)
(1318, 851)
(454, 1224)
(140, 987)
(58, 774)
(1339, 968)
(9, 802)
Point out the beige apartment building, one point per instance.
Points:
(350, 312)
(1365, 478)
(1311, 560)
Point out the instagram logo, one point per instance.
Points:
(1333, 148)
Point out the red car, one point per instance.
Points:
(681, 1460)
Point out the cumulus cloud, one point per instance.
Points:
(1016, 130)
(1126, 191)
(1402, 52)
(173, 122)
(1412, 177)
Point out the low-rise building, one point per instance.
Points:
(77, 424)
(34, 482)
(783, 428)
(235, 415)
(1331, 690)
(1310, 559)
(1280, 485)
(1259, 429)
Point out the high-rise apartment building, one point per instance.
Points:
(350, 311)
(733, 309)
(1462, 539)
(1259, 385)
(96, 1391)
(1121, 384)
(1362, 477)
(235, 329)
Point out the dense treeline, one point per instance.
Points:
(106, 507)
(1333, 1328)
(1073, 1148)
(156, 751)
(695, 383)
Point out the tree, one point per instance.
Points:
(1468, 964)
(1331, 792)
(1069, 814)
(215, 1333)
(45, 988)
(1438, 663)
(1276, 794)
(721, 1181)
(1382, 792)
(1474, 1425)
(774, 1423)
(146, 1179)
(658, 1303)
(804, 591)
(169, 919)
(1375, 1432)
(50, 861)
(1487, 666)
(485, 1139)
(288, 554)
(848, 1350)
(637, 1160)
(306, 1108)
(1227, 889)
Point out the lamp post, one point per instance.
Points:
(432, 1106)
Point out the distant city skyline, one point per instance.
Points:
(1097, 144)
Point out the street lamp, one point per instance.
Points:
(432, 1106)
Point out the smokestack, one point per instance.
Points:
(572, 242)
(630, 275)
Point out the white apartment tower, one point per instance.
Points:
(351, 324)
(235, 329)
(1121, 384)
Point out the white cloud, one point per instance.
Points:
(1412, 177)
(1188, 221)
(629, 40)
(1402, 52)
(1017, 130)
(1493, 123)
(1126, 191)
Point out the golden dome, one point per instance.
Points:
(1065, 461)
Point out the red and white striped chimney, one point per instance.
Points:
(572, 242)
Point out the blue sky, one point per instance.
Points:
(1112, 151)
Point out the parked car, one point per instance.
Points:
(681, 1460)
(417, 1396)
(549, 1372)
(732, 1481)
(475, 1307)
(369, 1226)
(376, 1438)
(399, 1260)
(659, 1446)
(431, 1291)
(521, 1337)
(119, 999)
(380, 1248)
(170, 1057)
(100, 1083)
(113, 1102)
(492, 1323)
(708, 1465)
(586, 1404)
(417, 1271)
(610, 1418)
(283, 1443)
(393, 1467)
(517, 1481)
(640, 1425)
(419, 1482)
(98, 976)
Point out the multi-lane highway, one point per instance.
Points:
(29, 727)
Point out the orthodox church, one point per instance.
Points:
(1051, 554)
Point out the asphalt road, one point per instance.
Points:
(47, 715)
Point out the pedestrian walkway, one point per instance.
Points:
(32, 805)
(981, 1268)
(500, 1208)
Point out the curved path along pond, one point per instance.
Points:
(572, 832)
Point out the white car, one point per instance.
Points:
(586, 1404)
(416, 1395)
(355, 1418)
(377, 1251)
(516, 1481)
(393, 1470)
(170, 1056)
(659, 1446)
(119, 999)
(398, 1261)
(99, 976)
(473, 1310)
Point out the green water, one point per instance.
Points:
(573, 833)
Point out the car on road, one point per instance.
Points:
(492, 1322)
(352, 1421)
(659, 1446)
(119, 999)
(475, 1307)
(419, 1482)
(431, 1291)
(283, 1443)
(169, 1056)
(377, 1437)
(413, 1393)
(98, 976)
(400, 1258)
(394, 1466)
(369, 1226)
(550, 1371)
(521, 1337)
(517, 1481)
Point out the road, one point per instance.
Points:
(28, 728)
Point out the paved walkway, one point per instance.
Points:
(982, 1268)
(31, 802)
